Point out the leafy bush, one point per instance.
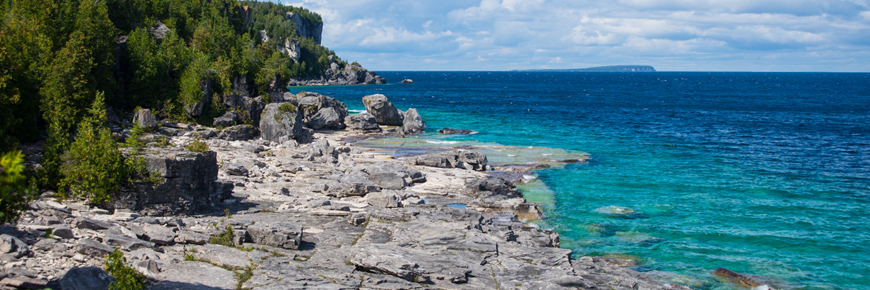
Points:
(14, 192)
(226, 238)
(196, 144)
(93, 167)
(287, 108)
(125, 277)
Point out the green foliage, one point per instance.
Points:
(196, 144)
(287, 108)
(126, 278)
(94, 167)
(225, 238)
(14, 191)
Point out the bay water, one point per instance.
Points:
(762, 173)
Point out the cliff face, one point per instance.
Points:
(305, 28)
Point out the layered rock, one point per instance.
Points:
(465, 159)
(188, 184)
(305, 28)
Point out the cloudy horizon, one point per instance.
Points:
(674, 35)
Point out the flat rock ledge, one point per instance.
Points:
(322, 215)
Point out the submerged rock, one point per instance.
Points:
(456, 131)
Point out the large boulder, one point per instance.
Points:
(413, 122)
(384, 112)
(319, 111)
(281, 122)
(363, 122)
(247, 108)
(188, 184)
(227, 120)
(145, 119)
(12, 248)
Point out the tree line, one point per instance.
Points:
(62, 62)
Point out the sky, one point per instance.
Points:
(671, 35)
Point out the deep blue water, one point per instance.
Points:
(763, 173)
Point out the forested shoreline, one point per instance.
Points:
(63, 63)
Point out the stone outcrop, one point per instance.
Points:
(351, 74)
(452, 159)
(145, 119)
(228, 119)
(188, 184)
(384, 112)
(246, 107)
(282, 122)
(305, 28)
(319, 111)
(413, 123)
(362, 123)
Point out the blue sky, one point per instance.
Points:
(672, 35)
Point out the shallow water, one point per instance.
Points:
(762, 173)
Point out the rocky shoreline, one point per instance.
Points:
(301, 208)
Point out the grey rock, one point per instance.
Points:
(351, 185)
(358, 219)
(91, 224)
(456, 131)
(248, 109)
(158, 234)
(282, 235)
(412, 175)
(12, 247)
(452, 159)
(127, 243)
(389, 261)
(363, 122)
(407, 81)
(237, 133)
(385, 199)
(235, 169)
(319, 111)
(23, 283)
(228, 119)
(93, 249)
(188, 275)
(306, 28)
(384, 112)
(413, 122)
(326, 118)
(145, 119)
(188, 237)
(388, 180)
(189, 184)
(278, 123)
(62, 231)
(243, 85)
(87, 278)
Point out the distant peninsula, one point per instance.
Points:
(611, 68)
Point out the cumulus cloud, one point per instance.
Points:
(670, 34)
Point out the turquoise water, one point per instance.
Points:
(764, 174)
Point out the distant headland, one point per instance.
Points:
(611, 68)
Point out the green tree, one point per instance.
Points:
(94, 167)
(144, 84)
(14, 192)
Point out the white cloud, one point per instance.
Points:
(672, 34)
